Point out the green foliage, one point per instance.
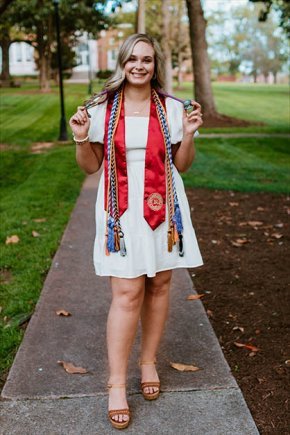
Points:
(243, 164)
(31, 192)
(283, 6)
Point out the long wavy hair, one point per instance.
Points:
(118, 77)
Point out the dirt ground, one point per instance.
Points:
(244, 239)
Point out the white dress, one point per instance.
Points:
(147, 251)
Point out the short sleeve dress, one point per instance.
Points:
(147, 251)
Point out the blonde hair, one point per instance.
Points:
(126, 49)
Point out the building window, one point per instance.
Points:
(29, 53)
(18, 50)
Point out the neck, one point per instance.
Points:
(137, 94)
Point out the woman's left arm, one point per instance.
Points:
(185, 153)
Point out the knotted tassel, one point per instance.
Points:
(123, 251)
(180, 246)
(116, 239)
(106, 245)
(110, 241)
(170, 239)
(178, 219)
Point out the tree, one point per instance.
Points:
(200, 60)
(36, 18)
(141, 16)
(283, 6)
(166, 45)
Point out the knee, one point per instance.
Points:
(128, 299)
(158, 286)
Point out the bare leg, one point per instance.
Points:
(153, 316)
(127, 299)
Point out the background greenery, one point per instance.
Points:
(45, 186)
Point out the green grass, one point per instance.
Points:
(244, 164)
(35, 186)
(46, 185)
(268, 104)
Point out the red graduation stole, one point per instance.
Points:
(155, 173)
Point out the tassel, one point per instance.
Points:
(123, 251)
(180, 246)
(170, 239)
(110, 241)
(116, 239)
(176, 236)
(177, 218)
(106, 245)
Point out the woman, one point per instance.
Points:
(143, 226)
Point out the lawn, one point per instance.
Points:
(38, 191)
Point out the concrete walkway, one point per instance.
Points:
(40, 398)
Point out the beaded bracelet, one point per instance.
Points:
(82, 141)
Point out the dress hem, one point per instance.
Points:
(151, 276)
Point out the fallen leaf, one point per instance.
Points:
(184, 367)
(233, 204)
(239, 242)
(70, 368)
(279, 225)
(243, 224)
(63, 313)
(260, 208)
(252, 353)
(247, 346)
(209, 313)
(39, 220)
(194, 297)
(239, 328)
(277, 235)
(12, 239)
(255, 223)
(35, 234)
(287, 362)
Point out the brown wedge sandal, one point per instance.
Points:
(156, 384)
(113, 412)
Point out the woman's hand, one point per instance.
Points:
(80, 123)
(193, 120)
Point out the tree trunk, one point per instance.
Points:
(5, 44)
(200, 60)
(166, 45)
(141, 16)
(179, 44)
(44, 56)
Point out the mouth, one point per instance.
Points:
(138, 75)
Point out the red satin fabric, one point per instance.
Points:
(155, 176)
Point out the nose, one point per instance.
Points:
(139, 64)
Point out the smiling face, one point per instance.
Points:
(139, 69)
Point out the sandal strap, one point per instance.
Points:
(116, 386)
(113, 412)
(145, 363)
(150, 384)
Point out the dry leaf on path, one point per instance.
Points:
(277, 235)
(70, 368)
(194, 297)
(184, 367)
(35, 234)
(239, 242)
(12, 239)
(247, 346)
(255, 223)
(63, 313)
(234, 204)
(239, 328)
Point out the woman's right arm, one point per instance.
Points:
(89, 155)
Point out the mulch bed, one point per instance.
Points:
(244, 239)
